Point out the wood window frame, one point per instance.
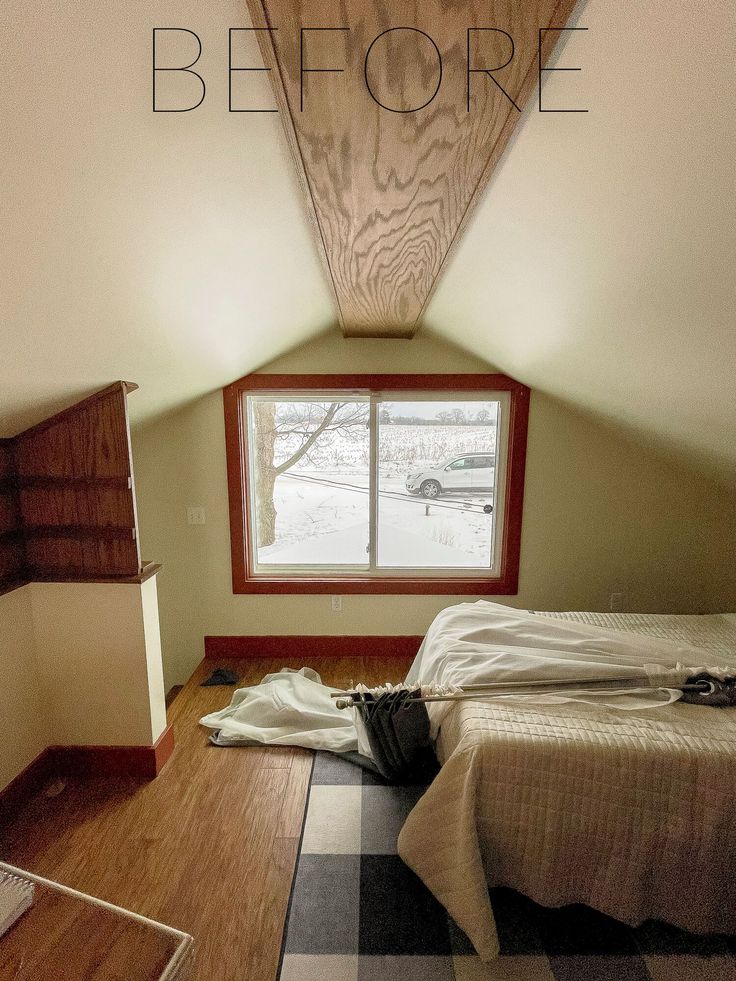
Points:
(243, 578)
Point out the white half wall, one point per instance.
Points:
(25, 720)
(154, 658)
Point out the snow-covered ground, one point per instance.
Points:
(320, 523)
(322, 503)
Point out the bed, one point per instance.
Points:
(630, 812)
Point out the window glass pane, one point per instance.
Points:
(309, 478)
(436, 473)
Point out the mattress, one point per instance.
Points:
(629, 812)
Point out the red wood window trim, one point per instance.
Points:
(244, 581)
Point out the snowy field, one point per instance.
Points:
(401, 449)
(323, 508)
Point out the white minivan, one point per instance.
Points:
(471, 472)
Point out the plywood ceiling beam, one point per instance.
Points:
(389, 186)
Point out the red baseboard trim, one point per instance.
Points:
(311, 645)
(144, 762)
(118, 761)
(26, 785)
(163, 748)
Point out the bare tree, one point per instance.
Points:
(303, 421)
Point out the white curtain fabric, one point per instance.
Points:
(288, 708)
(482, 642)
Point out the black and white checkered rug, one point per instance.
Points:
(357, 913)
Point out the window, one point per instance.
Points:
(388, 483)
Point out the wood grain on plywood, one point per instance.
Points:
(389, 186)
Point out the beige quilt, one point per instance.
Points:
(632, 813)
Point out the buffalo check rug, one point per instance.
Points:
(357, 913)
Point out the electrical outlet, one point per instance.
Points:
(195, 516)
(617, 602)
(337, 604)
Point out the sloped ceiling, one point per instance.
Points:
(600, 264)
(170, 249)
(174, 249)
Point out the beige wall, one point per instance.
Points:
(25, 721)
(80, 664)
(103, 685)
(601, 515)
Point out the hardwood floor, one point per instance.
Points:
(209, 846)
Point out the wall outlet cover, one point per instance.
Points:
(195, 516)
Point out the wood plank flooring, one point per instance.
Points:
(209, 846)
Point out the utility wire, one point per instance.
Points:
(393, 495)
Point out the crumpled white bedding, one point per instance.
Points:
(630, 812)
(472, 643)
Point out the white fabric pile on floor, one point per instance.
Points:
(288, 708)
(294, 708)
